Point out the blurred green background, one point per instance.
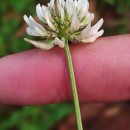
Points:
(12, 31)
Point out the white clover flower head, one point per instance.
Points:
(63, 20)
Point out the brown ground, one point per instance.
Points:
(100, 117)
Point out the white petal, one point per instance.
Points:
(69, 8)
(51, 4)
(75, 4)
(51, 25)
(62, 3)
(94, 29)
(89, 18)
(75, 22)
(35, 24)
(69, 1)
(40, 44)
(79, 5)
(31, 32)
(42, 33)
(31, 18)
(100, 33)
(26, 19)
(98, 25)
(61, 12)
(40, 13)
(89, 40)
(87, 2)
(85, 31)
(93, 38)
(84, 8)
(60, 43)
(44, 8)
(62, 15)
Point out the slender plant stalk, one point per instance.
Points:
(73, 85)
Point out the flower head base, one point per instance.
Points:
(63, 20)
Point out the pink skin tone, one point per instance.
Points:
(36, 77)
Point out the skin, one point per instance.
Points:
(36, 77)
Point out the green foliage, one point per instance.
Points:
(11, 22)
(121, 6)
(16, 5)
(34, 118)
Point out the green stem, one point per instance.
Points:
(73, 85)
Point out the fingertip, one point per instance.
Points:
(102, 71)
